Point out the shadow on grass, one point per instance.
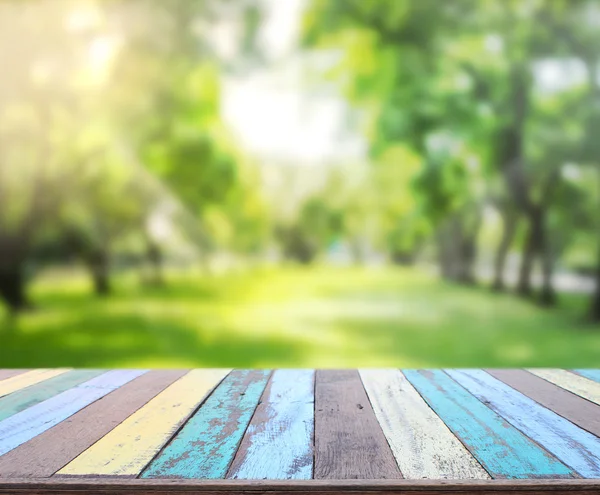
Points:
(314, 318)
(130, 340)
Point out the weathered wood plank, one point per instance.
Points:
(572, 445)
(502, 449)
(31, 422)
(349, 443)
(45, 454)
(23, 380)
(34, 394)
(59, 486)
(206, 445)
(4, 374)
(591, 374)
(584, 387)
(127, 449)
(576, 409)
(279, 441)
(423, 445)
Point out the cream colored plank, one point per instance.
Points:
(10, 385)
(584, 387)
(422, 444)
(128, 448)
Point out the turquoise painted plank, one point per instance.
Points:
(591, 374)
(500, 448)
(206, 445)
(30, 396)
(572, 445)
(29, 423)
(279, 441)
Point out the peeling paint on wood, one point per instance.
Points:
(349, 442)
(591, 374)
(127, 449)
(584, 387)
(45, 454)
(27, 424)
(278, 443)
(206, 445)
(575, 447)
(423, 445)
(23, 380)
(502, 449)
(34, 394)
(581, 412)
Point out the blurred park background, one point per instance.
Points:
(257, 183)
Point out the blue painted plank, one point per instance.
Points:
(572, 445)
(501, 449)
(206, 445)
(591, 374)
(22, 399)
(29, 423)
(279, 441)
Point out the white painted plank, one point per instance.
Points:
(422, 444)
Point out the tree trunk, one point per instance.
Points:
(468, 249)
(155, 258)
(12, 288)
(447, 250)
(468, 255)
(533, 244)
(595, 305)
(508, 235)
(457, 249)
(100, 268)
(547, 294)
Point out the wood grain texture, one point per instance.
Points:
(312, 487)
(127, 449)
(27, 424)
(349, 443)
(206, 445)
(45, 454)
(278, 443)
(572, 445)
(23, 380)
(34, 394)
(502, 449)
(590, 374)
(583, 413)
(4, 374)
(584, 387)
(423, 445)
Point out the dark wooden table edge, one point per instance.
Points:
(119, 486)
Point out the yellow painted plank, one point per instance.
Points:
(130, 446)
(584, 387)
(10, 385)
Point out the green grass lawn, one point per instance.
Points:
(319, 317)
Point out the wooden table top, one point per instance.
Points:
(319, 431)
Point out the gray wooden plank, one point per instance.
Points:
(45, 454)
(583, 413)
(349, 443)
(4, 374)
